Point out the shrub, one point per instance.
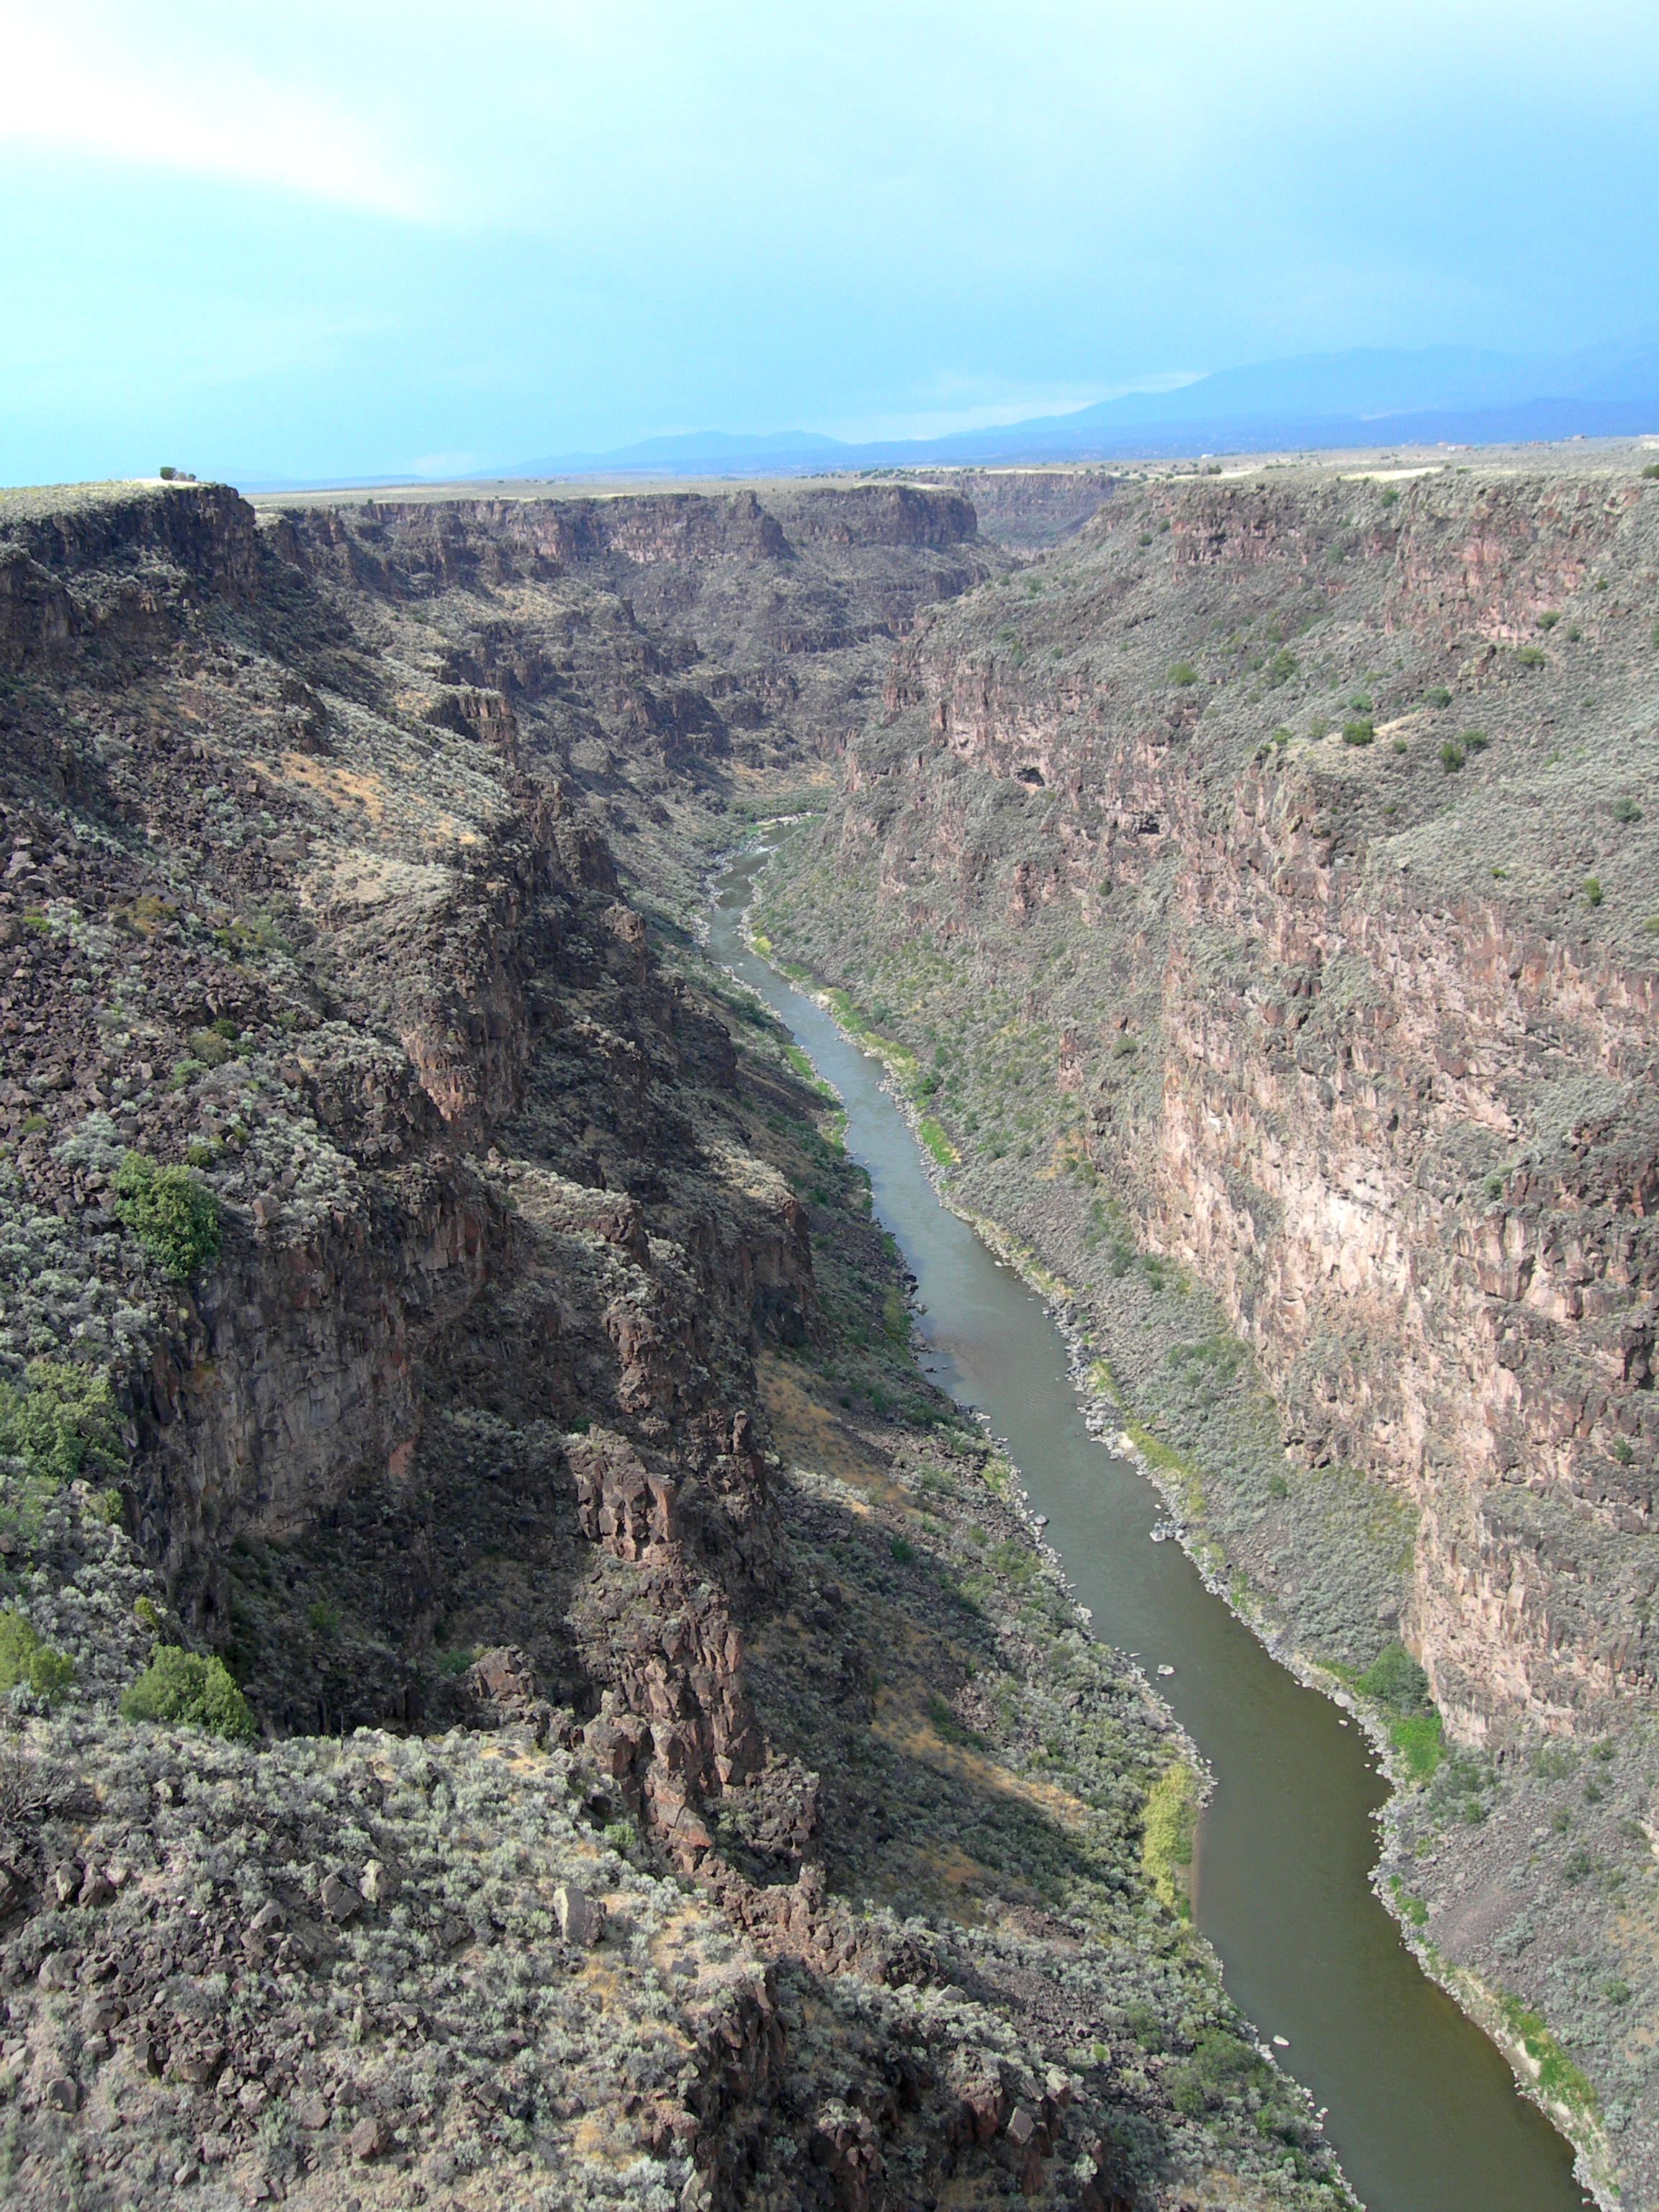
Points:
(1651, 469)
(1531, 656)
(1221, 2066)
(1475, 741)
(939, 1145)
(1361, 732)
(1169, 1825)
(63, 1425)
(1401, 746)
(1281, 667)
(1548, 619)
(1394, 1678)
(26, 1661)
(1183, 673)
(188, 1688)
(174, 1216)
(902, 1550)
(1451, 757)
(1626, 809)
(1438, 698)
(1420, 1742)
(1592, 891)
(1391, 493)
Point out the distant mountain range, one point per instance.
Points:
(1451, 395)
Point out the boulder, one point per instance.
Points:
(338, 1898)
(580, 1918)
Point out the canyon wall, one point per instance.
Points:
(1259, 896)
(1392, 1060)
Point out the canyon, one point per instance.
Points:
(517, 1689)
(662, 1766)
(1256, 895)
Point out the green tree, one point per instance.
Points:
(179, 1686)
(25, 1659)
(65, 1424)
(174, 1216)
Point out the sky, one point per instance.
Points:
(350, 238)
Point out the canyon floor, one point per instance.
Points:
(516, 1690)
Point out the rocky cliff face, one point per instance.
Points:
(446, 1525)
(1280, 854)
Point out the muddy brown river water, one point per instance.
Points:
(1422, 2108)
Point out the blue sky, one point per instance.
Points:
(361, 237)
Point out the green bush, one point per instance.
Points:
(1183, 673)
(1439, 696)
(1651, 469)
(1281, 667)
(1394, 1678)
(64, 1424)
(24, 1659)
(1421, 1743)
(1531, 656)
(1549, 619)
(1592, 890)
(1475, 741)
(1221, 2066)
(1361, 732)
(1451, 757)
(179, 1686)
(174, 1216)
(1626, 809)
(1168, 1826)
(1390, 495)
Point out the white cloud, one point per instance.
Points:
(68, 87)
(944, 421)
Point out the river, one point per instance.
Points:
(1423, 2109)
